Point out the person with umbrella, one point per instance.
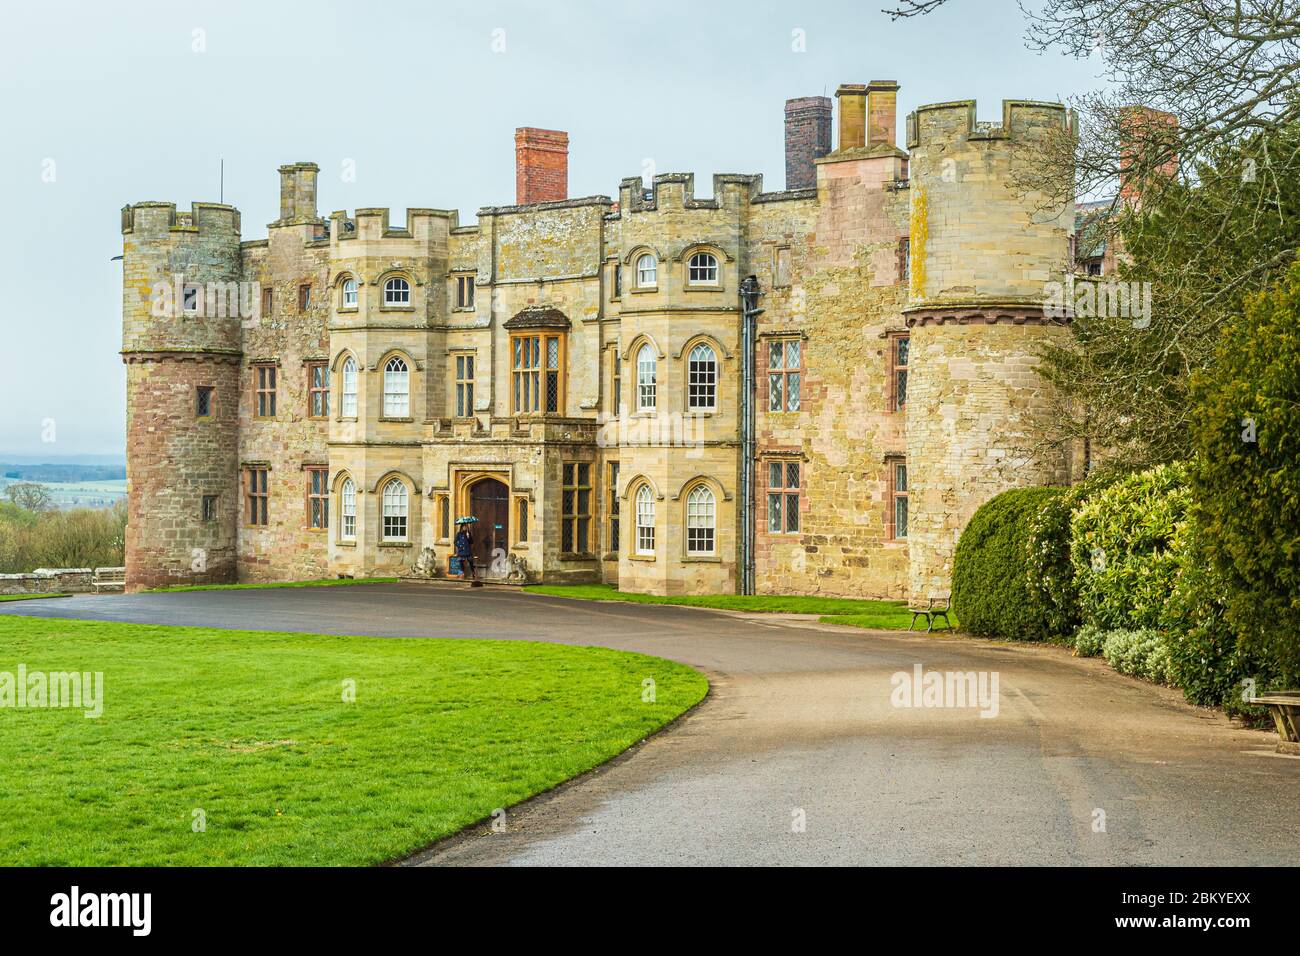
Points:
(465, 548)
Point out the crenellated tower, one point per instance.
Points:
(983, 247)
(182, 302)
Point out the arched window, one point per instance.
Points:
(394, 499)
(703, 269)
(397, 291)
(702, 378)
(348, 495)
(701, 520)
(349, 403)
(645, 378)
(645, 520)
(349, 293)
(647, 270)
(397, 389)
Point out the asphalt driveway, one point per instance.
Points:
(801, 756)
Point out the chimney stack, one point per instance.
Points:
(853, 115)
(882, 112)
(1146, 135)
(541, 165)
(298, 191)
(807, 137)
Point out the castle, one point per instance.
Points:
(572, 371)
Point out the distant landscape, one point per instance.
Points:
(97, 482)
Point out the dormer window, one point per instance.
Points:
(702, 269)
(349, 293)
(397, 291)
(647, 271)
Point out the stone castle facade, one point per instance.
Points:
(570, 370)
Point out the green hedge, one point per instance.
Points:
(1124, 546)
(990, 583)
(1050, 571)
(1247, 475)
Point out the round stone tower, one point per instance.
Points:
(182, 302)
(982, 254)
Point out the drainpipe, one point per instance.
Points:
(749, 311)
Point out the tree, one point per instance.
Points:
(1247, 475)
(30, 496)
(1204, 249)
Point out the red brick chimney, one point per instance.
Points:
(541, 165)
(1146, 136)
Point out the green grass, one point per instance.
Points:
(857, 612)
(32, 597)
(319, 583)
(252, 729)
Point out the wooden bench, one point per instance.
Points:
(109, 579)
(934, 609)
(1284, 705)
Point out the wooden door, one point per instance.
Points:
(489, 501)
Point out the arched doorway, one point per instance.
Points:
(489, 501)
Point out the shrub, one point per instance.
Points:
(1051, 574)
(1205, 658)
(1139, 653)
(1247, 478)
(1088, 640)
(990, 585)
(1124, 544)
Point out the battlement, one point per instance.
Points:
(374, 222)
(159, 218)
(953, 122)
(677, 190)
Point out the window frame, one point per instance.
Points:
(304, 296)
(715, 270)
(709, 387)
(385, 517)
(464, 284)
(348, 510)
(781, 493)
(257, 496)
(616, 383)
(390, 396)
(208, 508)
(266, 383)
(784, 373)
(349, 286)
(531, 372)
(202, 392)
(396, 297)
(702, 509)
(893, 368)
(318, 392)
(643, 539)
(892, 497)
(318, 497)
(349, 371)
(614, 508)
(463, 384)
(576, 511)
(647, 278)
(644, 390)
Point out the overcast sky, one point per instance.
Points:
(120, 102)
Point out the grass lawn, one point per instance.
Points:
(320, 583)
(885, 615)
(251, 728)
(32, 597)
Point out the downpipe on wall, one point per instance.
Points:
(750, 292)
